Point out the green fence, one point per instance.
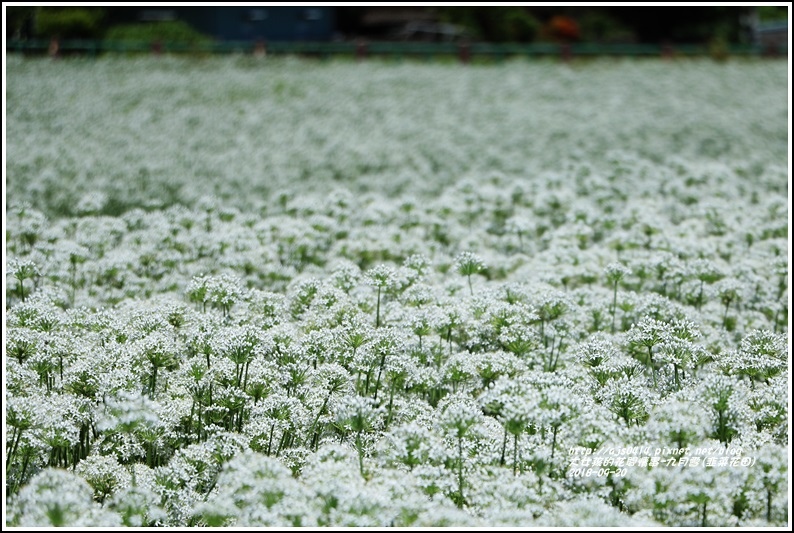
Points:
(398, 50)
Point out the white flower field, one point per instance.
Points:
(327, 293)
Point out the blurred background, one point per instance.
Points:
(765, 26)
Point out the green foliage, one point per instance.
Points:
(768, 13)
(69, 23)
(495, 24)
(601, 27)
(165, 31)
(519, 25)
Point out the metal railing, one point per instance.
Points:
(396, 50)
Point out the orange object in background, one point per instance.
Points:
(54, 47)
(564, 28)
(260, 48)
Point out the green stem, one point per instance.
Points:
(380, 371)
(768, 505)
(504, 445)
(377, 312)
(515, 453)
(391, 402)
(614, 305)
(270, 440)
(721, 433)
(312, 434)
(550, 357)
(725, 314)
(154, 380)
(700, 296)
(360, 451)
(460, 471)
(74, 283)
(24, 467)
(16, 435)
(557, 358)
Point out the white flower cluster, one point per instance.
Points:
(410, 322)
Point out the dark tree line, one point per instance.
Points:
(648, 24)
